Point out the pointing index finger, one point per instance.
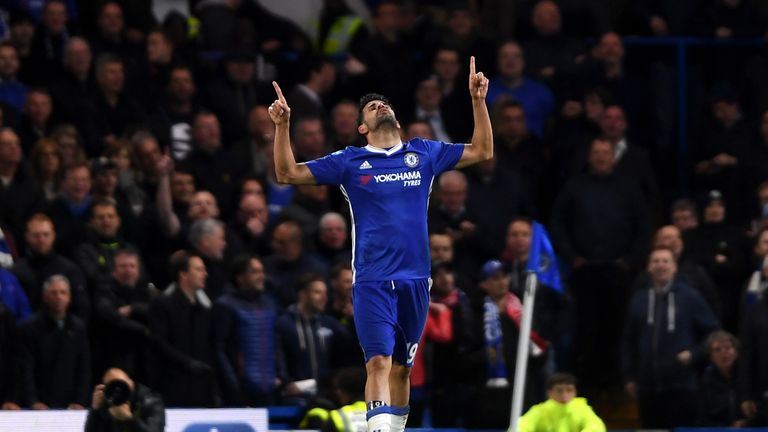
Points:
(472, 66)
(280, 96)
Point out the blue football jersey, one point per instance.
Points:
(388, 194)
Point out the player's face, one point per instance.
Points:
(562, 393)
(378, 115)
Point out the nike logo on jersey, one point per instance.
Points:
(365, 165)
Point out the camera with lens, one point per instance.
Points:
(116, 392)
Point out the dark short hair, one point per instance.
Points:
(365, 100)
(340, 267)
(559, 378)
(306, 280)
(180, 263)
(684, 204)
(240, 265)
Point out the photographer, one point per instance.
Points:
(120, 404)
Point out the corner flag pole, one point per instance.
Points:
(523, 350)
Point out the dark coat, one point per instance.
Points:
(55, 362)
(148, 415)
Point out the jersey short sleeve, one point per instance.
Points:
(444, 156)
(329, 169)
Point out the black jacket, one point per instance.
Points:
(183, 340)
(32, 271)
(719, 399)
(8, 372)
(55, 362)
(148, 415)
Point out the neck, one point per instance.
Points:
(189, 292)
(58, 316)
(613, 70)
(726, 372)
(384, 138)
(522, 257)
(81, 76)
(660, 285)
(7, 169)
(111, 97)
(305, 311)
(512, 81)
(181, 106)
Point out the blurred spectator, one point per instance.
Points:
(218, 23)
(666, 327)
(516, 147)
(244, 329)
(448, 372)
(211, 163)
(231, 95)
(289, 262)
(70, 211)
(753, 371)
(71, 89)
(751, 175)
(144, 410)
(120, 307)
(535, 98)
(418, 129)
(307, 340)
(462, 31)
(578, 124)
(46, 167)
(718, 247)
(42, 261)
(21, 32)
(48, 44)
(496, 196)
(447, 69)
(602, 238)
(176, 111)
(317, 79)
(182, 326)
(9, 389)
(126, 190)
(95, 255)
(208, 241)
(451, 216)
(684, 214)
(36, 119)
(113, 111)
(688, 271)
(549, 304)
(154, 69)
(723, 143)
(339, 29)
(309, 204)
(12, 91)
(309, 138)
(70, 144)
(340, 308)
(332, 242)
(660, 18)
(430, 108)
(349, 390)
(251, 227)
(552, 54)
(106, 187)
(254, 152)
(54, 355)
(344, 126)
(110, 34)
(13, 297)
(720, 383)
(20, 195)
(501, 313)
(386, 59)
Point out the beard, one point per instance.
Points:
(384, 123)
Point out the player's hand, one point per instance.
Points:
(279, 110)
(478, 83)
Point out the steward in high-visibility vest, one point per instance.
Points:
(350, 387)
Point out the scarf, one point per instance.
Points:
(496, 368)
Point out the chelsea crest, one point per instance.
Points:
(411, 159)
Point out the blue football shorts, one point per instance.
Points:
(390, 317)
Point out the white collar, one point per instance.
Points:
(389, 152)
(620, 149)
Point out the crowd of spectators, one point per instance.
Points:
(142, 226)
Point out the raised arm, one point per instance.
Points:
(286, 168)
(481, 147)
